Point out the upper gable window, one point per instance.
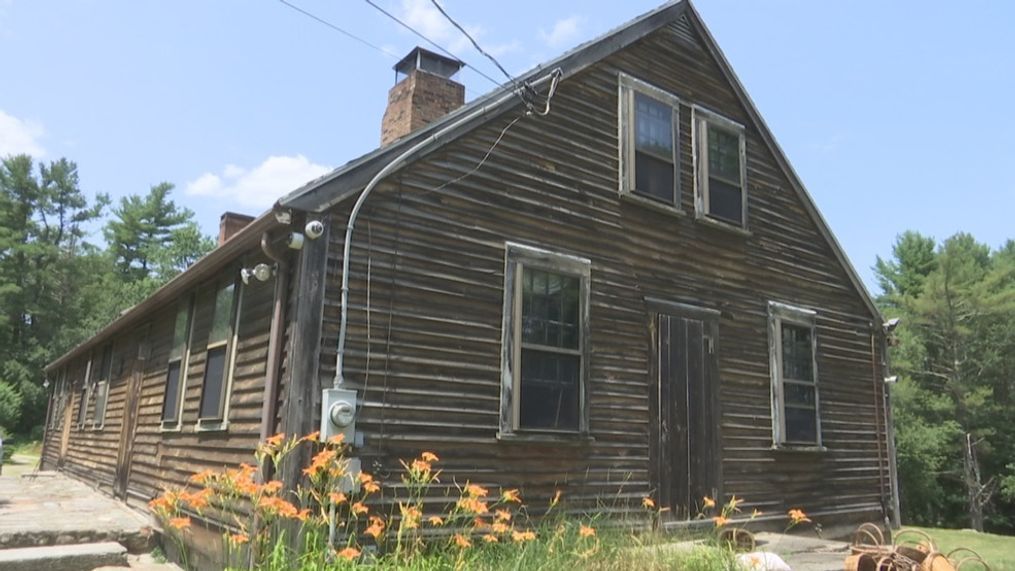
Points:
(720, 169)
(649, 141)
(796, 419)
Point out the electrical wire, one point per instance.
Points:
(339, 29)
(475, 44)
(431, 42)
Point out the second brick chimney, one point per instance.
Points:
(425, 93)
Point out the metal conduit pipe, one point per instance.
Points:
(391, 167)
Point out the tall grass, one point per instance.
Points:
(332, 521)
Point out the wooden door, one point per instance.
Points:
(687, 414)
(136, 357)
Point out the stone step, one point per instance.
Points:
(78, 557)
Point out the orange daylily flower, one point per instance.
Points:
(275, 440)
(720, 520)
(735, 503)
(586, 531)
(511, 496)
(337, 497)
(490, 538)
(369, 484)
(429, 457)
(202, 477)
(648, 503)
(272, 487)
(410, 516)
(556, 498)
(461, 541)
(337, 439)
(502, 515)
(376, 527)
(312, 437)
(179, 522)
(349, 553)
(523, 536)
(709, 502)
(435, 521)
(476, 491)
(358, 508)
(239, 538)
(500, 527)
(473, 505)
(797, 515)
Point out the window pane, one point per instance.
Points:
(549, 308)
(223, 311)
(549, 390)
(179, 333)
(83, 406)
(653, 126)
(106, 365)
(801, 425)
(800, 395)
(725, 201)
(101, 393)
(653, 177)
(172, 394)
(214, 377)
(723, 153)
(797, 359)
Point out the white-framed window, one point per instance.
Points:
(649, 142)
(545, 342)
(83, 400)
(176, 369)
(100, 389)
(796, 403)
(720, 168)
(213, 409)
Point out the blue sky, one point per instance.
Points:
(897, 115)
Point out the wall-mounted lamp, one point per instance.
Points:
(892, 323)
(314, 229)
(891, 380)
(261, 272)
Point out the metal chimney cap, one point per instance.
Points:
(430, 62)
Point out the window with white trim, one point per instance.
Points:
(720, 176)
(649, 142)
(176, 367)
(793, 344)
(545, 354)
(218, 362)
(83, 399)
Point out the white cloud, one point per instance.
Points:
(564, 32)
(20, 136)
(259, 186)
(425, 18)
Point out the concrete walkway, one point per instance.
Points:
(46, 508)
(805, 553)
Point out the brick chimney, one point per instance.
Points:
(231, 223)
(425, 93)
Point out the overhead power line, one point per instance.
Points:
(340, 30)
(475, 44)
(431, 42)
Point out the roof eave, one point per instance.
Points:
(200, 270)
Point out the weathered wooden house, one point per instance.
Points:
(605, 278)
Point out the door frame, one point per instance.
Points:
(131, 406)
(709, 317)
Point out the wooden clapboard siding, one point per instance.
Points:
(167, 458)
(424, 330)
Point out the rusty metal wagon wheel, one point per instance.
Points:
(915, 548)
(868, 538)
(968, 556)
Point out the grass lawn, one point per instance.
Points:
(997, 550)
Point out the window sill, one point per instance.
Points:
(799, 448)
(211, 426)
(630, 196)
(171, 427)
(721, 225)
(547, 437)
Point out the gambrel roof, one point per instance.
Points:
(347, 180)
